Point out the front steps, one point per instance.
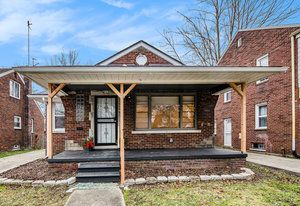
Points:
(98, 172)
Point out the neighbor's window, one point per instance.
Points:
(32, 125)
(239, 43)
(166, 112)
(14, 89)
(227, 96)
(262, 62)
(261, 114)
(59, 117)
(79, 107)
(17, 122)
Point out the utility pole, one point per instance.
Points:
(28, 41)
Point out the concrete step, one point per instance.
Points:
(98, 177)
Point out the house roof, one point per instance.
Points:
(257, 29)
(98, 75)
(5, 71)
(136, 45)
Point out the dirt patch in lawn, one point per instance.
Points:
(39, 170)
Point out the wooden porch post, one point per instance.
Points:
(242, 92)
(51, 94)
(121, 94)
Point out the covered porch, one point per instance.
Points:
(147, 154)
(121, 82)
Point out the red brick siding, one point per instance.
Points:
(10, 107)
(136, 169)
(76, 131)
(129, 58)
(276, 92)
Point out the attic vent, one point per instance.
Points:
(141, 59)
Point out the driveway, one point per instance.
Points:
(10, 162)
(288, 164)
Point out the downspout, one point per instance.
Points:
(293, 95)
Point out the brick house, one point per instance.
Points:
(147, 113)
(269, 100)
(22, 121)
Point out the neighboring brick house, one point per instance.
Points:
(21, 119)
(269, 100)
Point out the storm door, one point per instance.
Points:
(106, 123)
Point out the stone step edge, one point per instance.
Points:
(36, 183)
(247, 174)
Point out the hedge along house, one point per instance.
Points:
(145, 110)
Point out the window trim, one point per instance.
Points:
(12, 86)
(54, 129)
(32, 125)
(180, 95)
(257, 127)
(20, 118)
(239, 42)
(260, 81)
(260, 58)
(225, 100)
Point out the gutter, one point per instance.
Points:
(293, 39)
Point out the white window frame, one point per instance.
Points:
(12, 91)
(226, 95)
(257, 106)
(263, 80)
(32, 125)
(239, 42)
(54, 129)
(20, 120)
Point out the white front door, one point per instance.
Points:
(227, 133)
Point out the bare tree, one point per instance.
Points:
(65, 59)
(208, 29)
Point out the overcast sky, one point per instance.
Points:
(95, 28)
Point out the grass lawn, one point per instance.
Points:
(269, 187)
(10, 153)
(16, 195)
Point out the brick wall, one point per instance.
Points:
(129, 58)
(74, 130)
(136, 169)
(276, 91)
(10, 107)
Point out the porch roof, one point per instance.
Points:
(146, 74)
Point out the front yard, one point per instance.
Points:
(269, 187)
(31, 196)
(10, 153)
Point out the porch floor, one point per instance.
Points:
(146, 154)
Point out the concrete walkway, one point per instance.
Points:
(288, 164)
(10, 162)
(100, 195)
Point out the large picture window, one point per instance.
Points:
(165, 112)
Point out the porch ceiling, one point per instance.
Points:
(146, 75)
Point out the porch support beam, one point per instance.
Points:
(51, 93)
(242, 93)
(121, 94)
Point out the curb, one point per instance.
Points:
(38, 183)
(247, 174)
